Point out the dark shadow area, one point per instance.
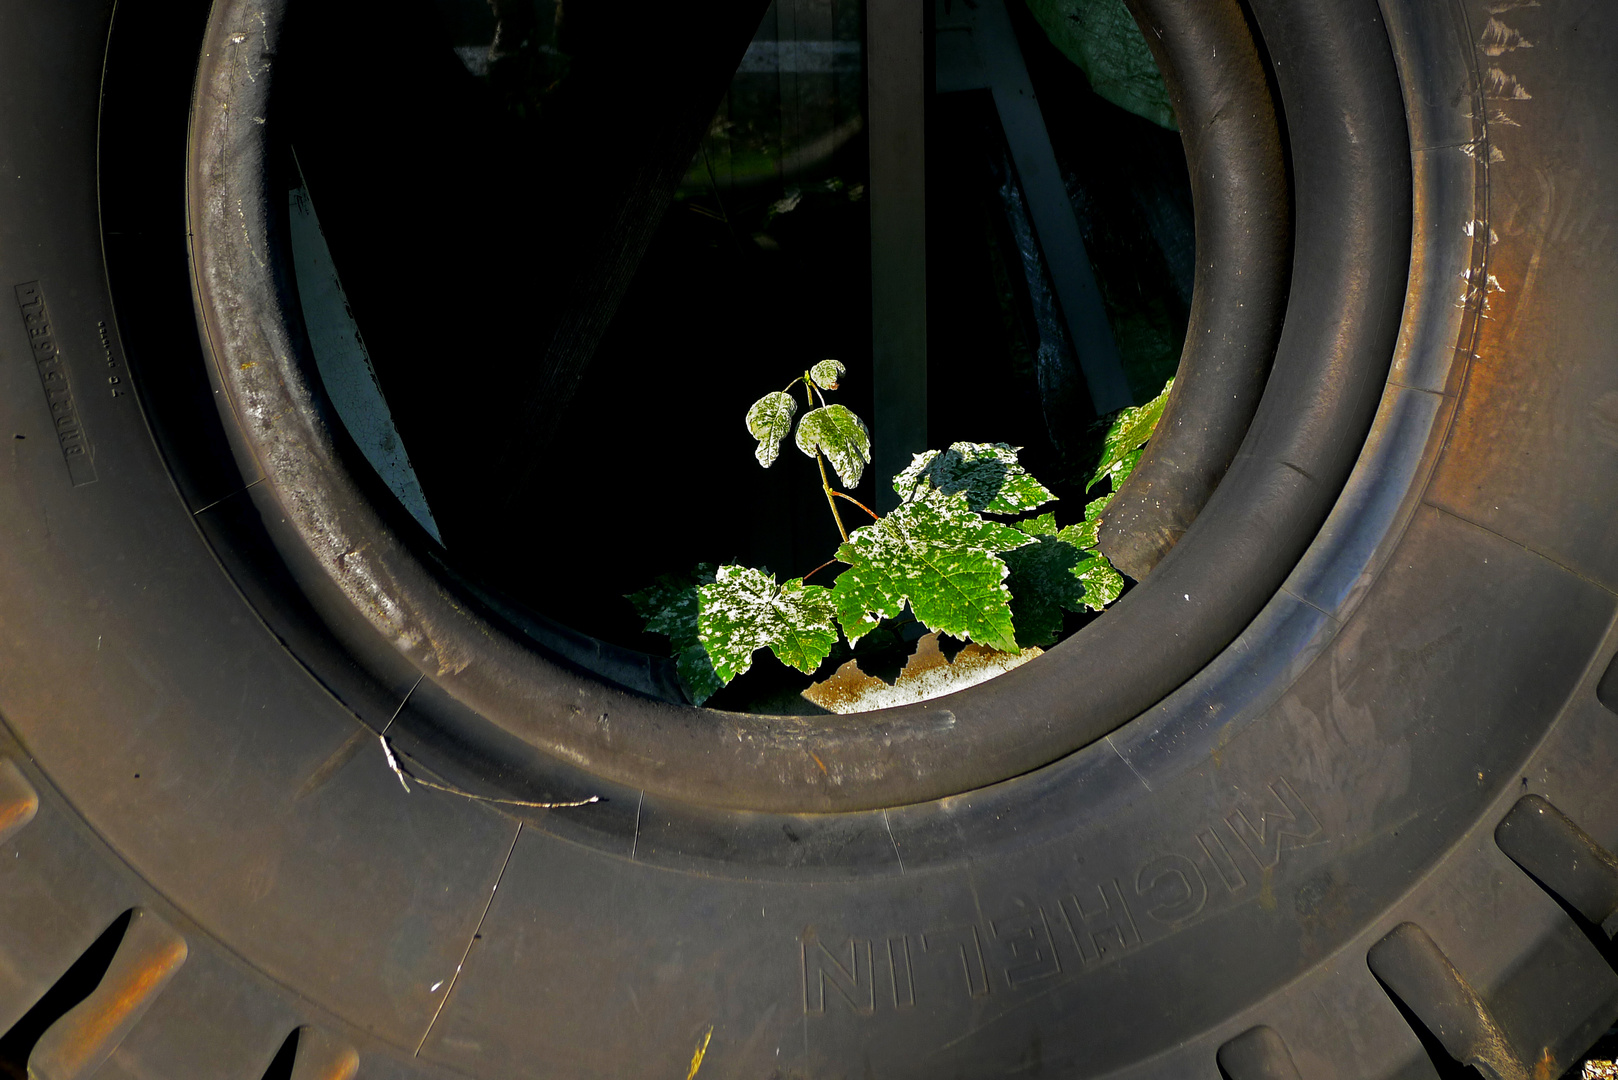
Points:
(452, 222)
(464, 205)
(281, 1065)
(76, 984)
(1445, 1066)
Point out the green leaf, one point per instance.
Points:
(1042, 584)
(1122, 468)
(1084, 535)
(936, 554)
(696, 671)
(1120, 449)
(669, 604)
(827, 373)
(1043, 525)
(1063, 570)
(1102, 582)
(841, 436)
(769, 421)
(670, 607)
(988, 473)
(744, 610)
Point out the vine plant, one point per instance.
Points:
(942, 552)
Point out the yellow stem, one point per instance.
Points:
(825, 485)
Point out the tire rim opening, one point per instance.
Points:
(762, 260)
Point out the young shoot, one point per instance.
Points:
(939, 555)
(830, 432)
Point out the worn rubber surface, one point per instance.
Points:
(1234, 152)
(1375, 832)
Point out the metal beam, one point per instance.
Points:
(895, 115)
(978, 49)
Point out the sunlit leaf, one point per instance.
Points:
(744, 610)
(1062, 571)
(1043, 525)
(1120, 449)
(1119, 471)
(1102, 582)
(988, 473)
(769, 421)
(841, 436)
(1084, 534)
(936, 554)
(827, 373)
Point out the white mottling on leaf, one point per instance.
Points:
(827, 374)
(1103, 584)
(769, 421)
(988, 474)
(743, 610)
(670, 606)
(1121, 448)
(941, 558)
(836, 432)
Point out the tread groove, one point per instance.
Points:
(1607, 688)
(319, 1055)
(75, 984)
(19, 802)
(148, 954)
(1257, 1054)
(280, 1067)
(1577, 872)
(1420, 978)
(1440, 1065)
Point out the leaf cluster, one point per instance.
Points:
(939, 554)
(832, 430)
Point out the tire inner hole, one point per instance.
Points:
(439, 246)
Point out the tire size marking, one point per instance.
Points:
(70, 434)
(1081, 927)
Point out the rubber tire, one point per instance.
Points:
(1288, 867)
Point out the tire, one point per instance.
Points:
(1368, 833)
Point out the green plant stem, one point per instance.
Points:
(825, 486)
(874, 515)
